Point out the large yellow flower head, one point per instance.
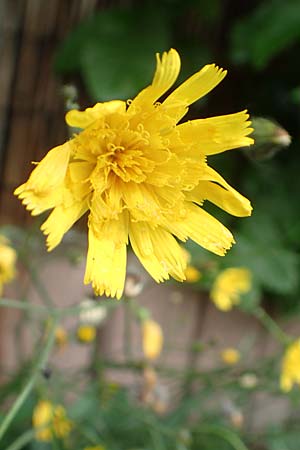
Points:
(142, 177)
(290, 373)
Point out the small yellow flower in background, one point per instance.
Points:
(229, 286)
(152, 339)
(61, 337)
(8, 258)
(142, 176)
(192, 274)
(230, 356)
(86, 333)
(290, 372)
(96, 447)
(50, 420)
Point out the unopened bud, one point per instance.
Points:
(92, 312)
(235, 416)
(133, 285)
(70, 95)
(248, 381)
(269, 138)
(237, 419)
(150, 377)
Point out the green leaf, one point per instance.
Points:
(260, 248)
(272, 27)
(284, 440)
(114, 51)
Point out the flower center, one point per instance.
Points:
(119, 150)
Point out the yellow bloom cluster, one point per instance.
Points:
(152, 339)
(229, 286)
(50, 420)
(96, 447)
(290, 373)
(192, 274)
(61, 337)
(8, 259)
(142, 177)
(86, 333)
(230, 356)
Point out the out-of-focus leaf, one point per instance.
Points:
(250, 300)
(281, 440)
(115, 51)
(269, 29)
(260, 247)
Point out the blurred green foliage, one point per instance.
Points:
(113, 51)
(268, 30)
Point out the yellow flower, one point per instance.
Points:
(96, 447)
(290, 372)
(86, 333)
(230, 356)
(50, 420)
(8, 257)
(152, 339)
(229, 286)
(142, 177)
(61, 337)
(192, 274)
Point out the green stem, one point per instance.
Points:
(271, 326)
(31, 381)
(17, 304)
(127, 329)
(232, 438)
(40, 288)
(41, 309)
(22, 440)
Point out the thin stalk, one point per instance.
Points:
(31, 381)
(271, 326)
(41, 309)
(127, 329)
(37, 283)
(22, 440)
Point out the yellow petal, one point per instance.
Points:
(82, 119)
(43, 190)
(222, 195)
(152, 339)
(38, 203)
(202, 228)
(196, 86)
(49, 172)
(106, 258)
(217, 134)
(158, 251)
(167, 70)
(214, 188)
(61, 220)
